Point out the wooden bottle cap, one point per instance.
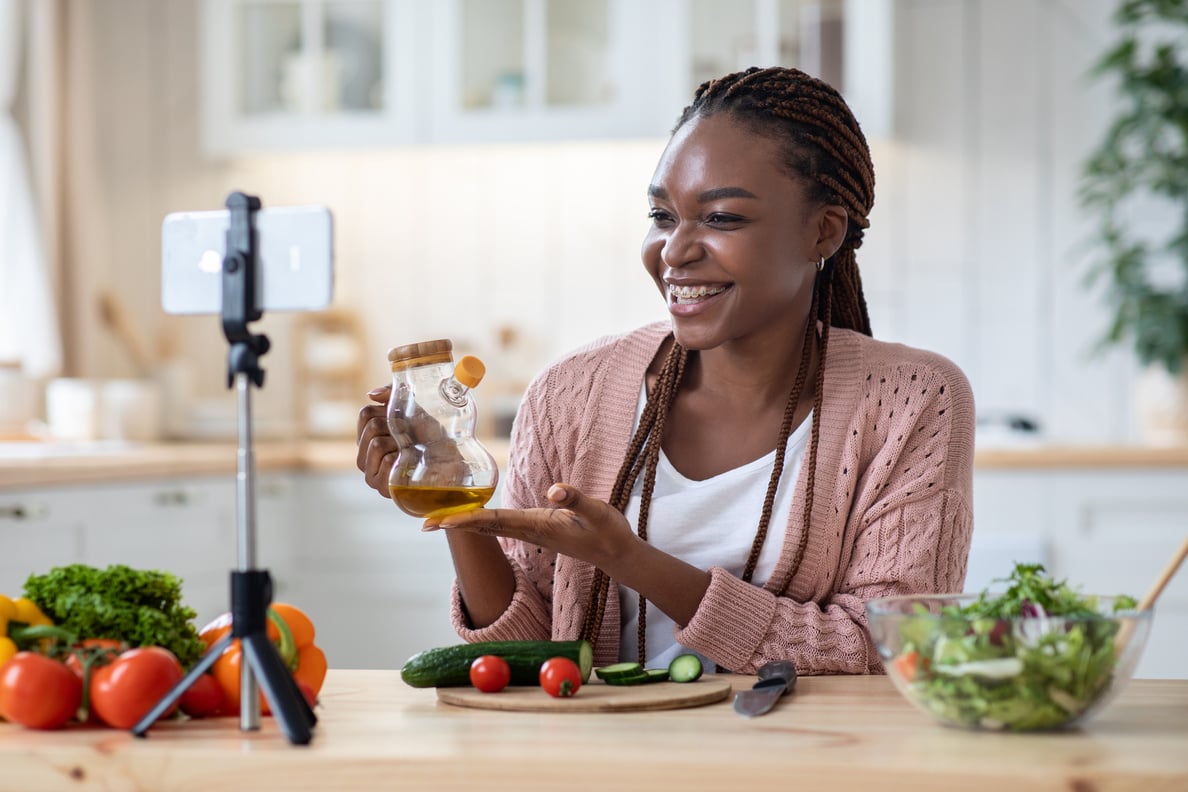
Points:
(421, 354)
(469, 371)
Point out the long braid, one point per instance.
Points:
(643, 451)
(825, 149)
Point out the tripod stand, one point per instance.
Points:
(251, 588)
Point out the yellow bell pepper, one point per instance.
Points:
(21, 624)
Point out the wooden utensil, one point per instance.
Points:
(116, 319)
(594, 696)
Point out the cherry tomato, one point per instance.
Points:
(37, 692)
(203, 698)
(560, 677)
(123, 692)
(490, 673)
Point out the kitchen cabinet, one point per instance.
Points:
(185, 526)
(524, 69)
(376, 586)
(300, 73)
(38, 530)
(304, 73)
(1105, 531)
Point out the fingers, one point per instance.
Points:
(566, 496)
(380, 394)
(377, 450)
(523, 524)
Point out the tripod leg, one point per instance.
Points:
(289, 707)
(171, 698)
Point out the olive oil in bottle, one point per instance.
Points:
(439, 501)
(441, 467)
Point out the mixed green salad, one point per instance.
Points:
(1034, 657)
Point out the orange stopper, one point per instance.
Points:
(469, 371)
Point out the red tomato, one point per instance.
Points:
(311, 698)
(204, 697)
(104, 650)
(38, 692)
(560, 677)
(490, 673)
(122, 693)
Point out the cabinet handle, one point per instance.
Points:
(21, 511)
(172, 498)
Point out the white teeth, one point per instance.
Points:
(687, 293)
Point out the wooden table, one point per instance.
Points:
(835, 733)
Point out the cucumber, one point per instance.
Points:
(449, 666)
(685, 668)
(618, 671)
(641, 677)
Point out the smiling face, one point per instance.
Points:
(734, 239)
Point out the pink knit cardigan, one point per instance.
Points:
(891, 513)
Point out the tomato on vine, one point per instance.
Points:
(560, 677)
(37, 692)
(123, 692)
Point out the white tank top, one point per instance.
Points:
(708, 523)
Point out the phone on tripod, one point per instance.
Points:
(295, 253)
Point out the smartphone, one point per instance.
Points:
(294, 251)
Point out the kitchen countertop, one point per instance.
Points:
(24, 465)
(99, 463)
(832, 733)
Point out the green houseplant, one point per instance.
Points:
(1140, 170)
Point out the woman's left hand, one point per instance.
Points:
(575, 525)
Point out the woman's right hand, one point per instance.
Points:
(377, 448)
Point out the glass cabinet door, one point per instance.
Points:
(535, 53)
(310, 57)
(294, 72)
(730, 35)
(535, 68)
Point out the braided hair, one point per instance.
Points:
(823, 148)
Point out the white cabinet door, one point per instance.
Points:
(376, 586)
(39, 529)
(183, 526)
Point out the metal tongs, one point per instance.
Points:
(775, 679)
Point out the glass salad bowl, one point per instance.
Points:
(979, 662)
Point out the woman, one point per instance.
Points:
(738, 481)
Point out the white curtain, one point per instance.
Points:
(28, 323)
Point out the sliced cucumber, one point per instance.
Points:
(618, 671)
(642, 677)
(685, 668)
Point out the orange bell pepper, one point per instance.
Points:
(293, 633)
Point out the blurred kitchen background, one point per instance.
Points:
(486, 161)
(486, 164)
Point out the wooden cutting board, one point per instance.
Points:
(594, 696)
